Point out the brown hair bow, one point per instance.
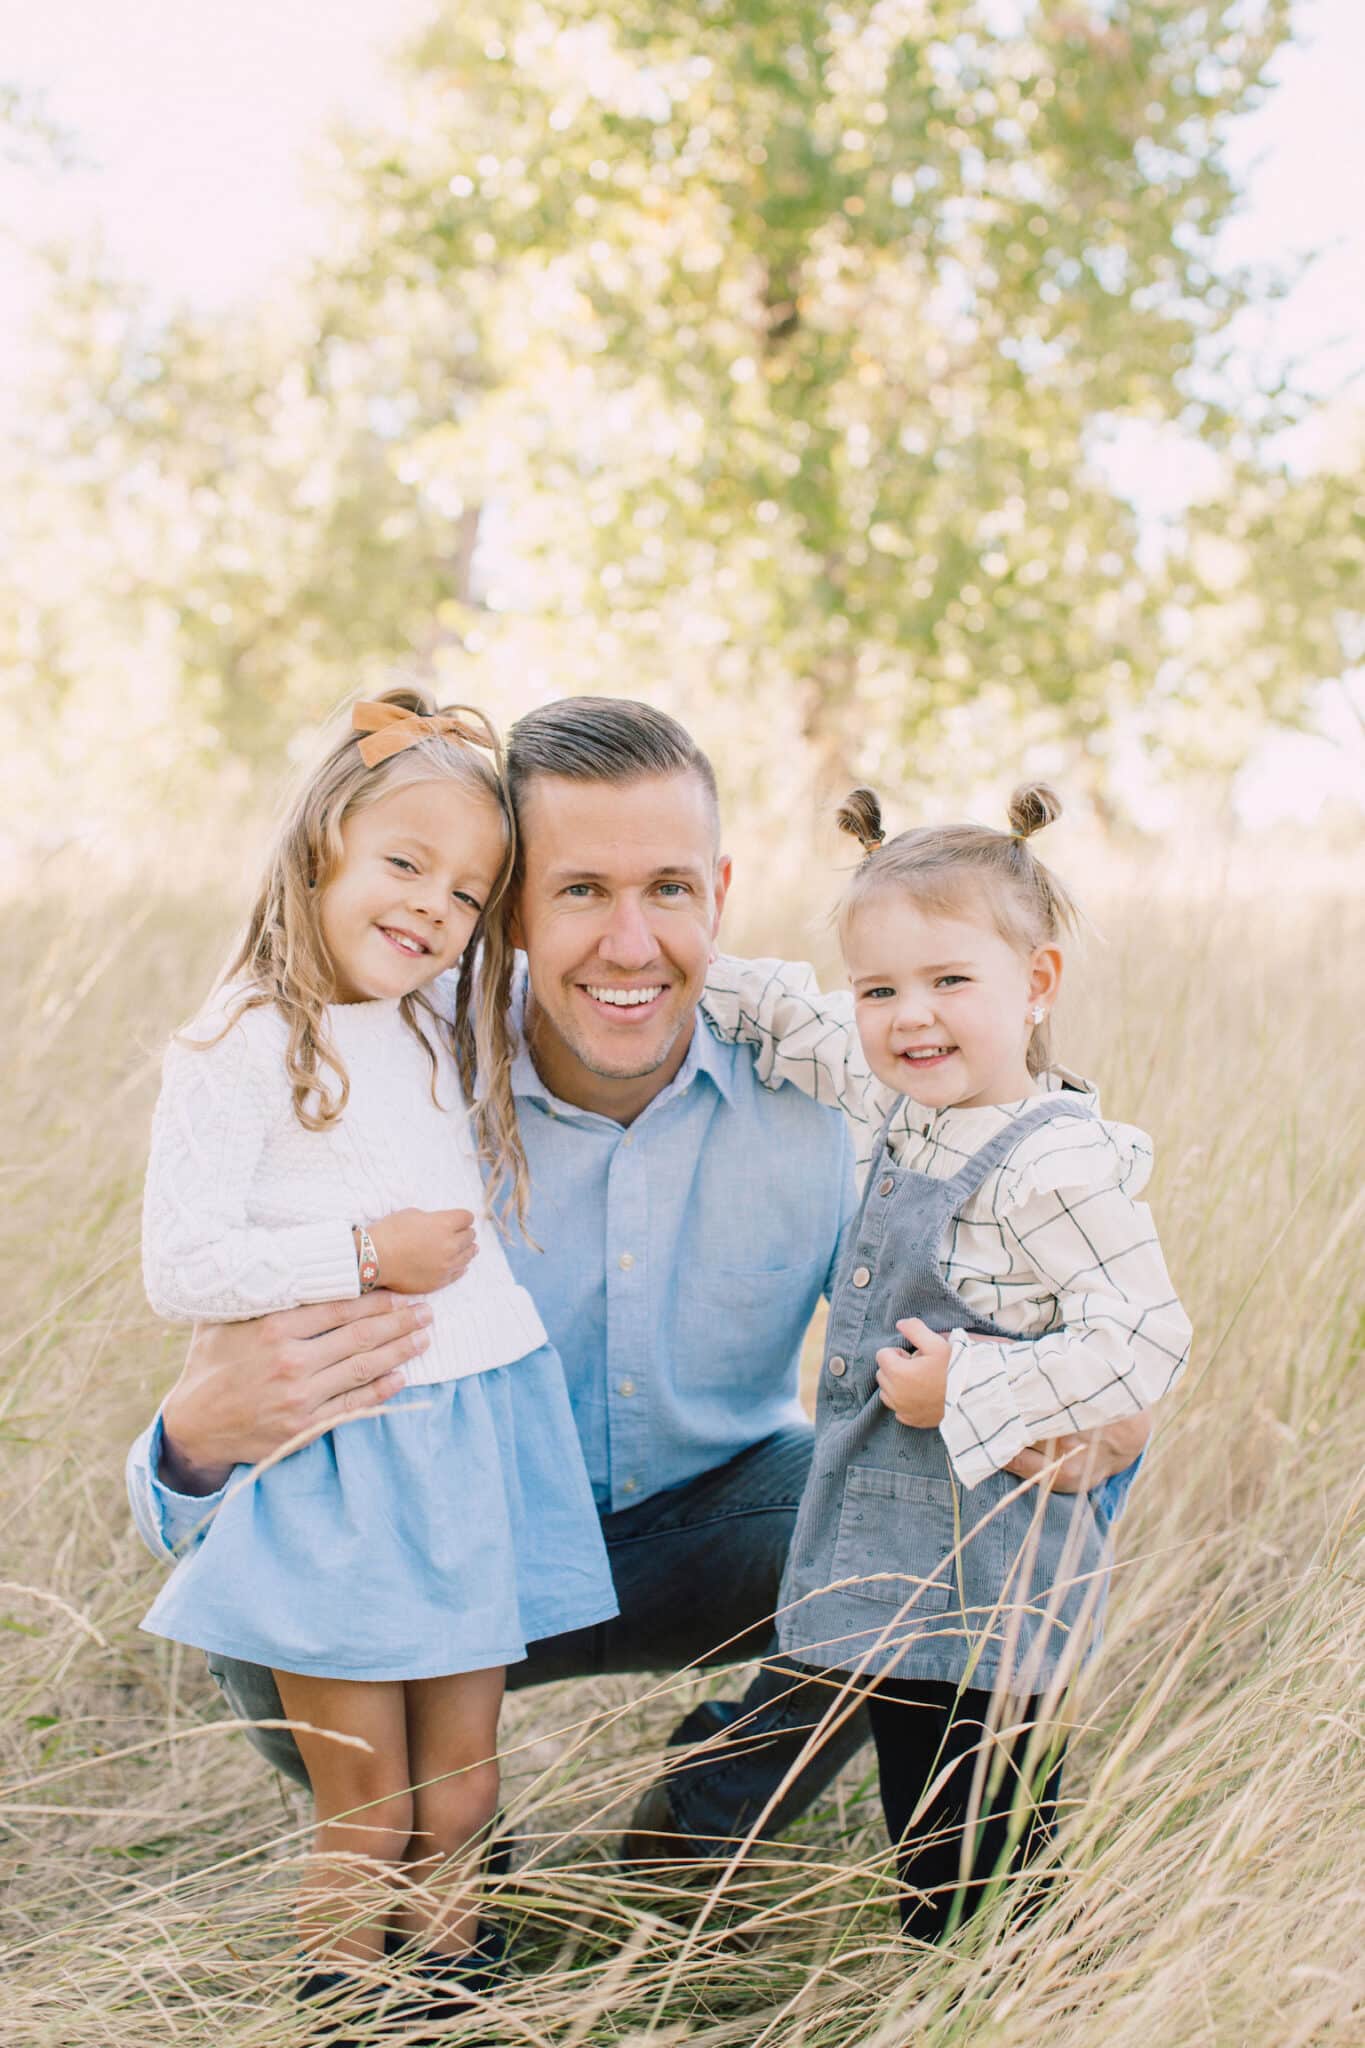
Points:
(391, 728)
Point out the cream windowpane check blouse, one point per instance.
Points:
(1055, 1246)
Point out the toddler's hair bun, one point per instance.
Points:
(860, 815)
(1033, 805)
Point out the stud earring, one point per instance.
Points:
(1037, 1014)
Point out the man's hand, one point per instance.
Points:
(247, 1388)
(913, 1384)
(420, 1250)
(1085, 1459)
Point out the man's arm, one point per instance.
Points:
(1122, 1339)
(1087, 1458)
(1081, 1459)
(167, 1521)
(913, 1383)
(248, 1389)
(799, 1033)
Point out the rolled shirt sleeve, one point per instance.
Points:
(168, 1522)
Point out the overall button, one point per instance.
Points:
(626, 1387)
(885, 1186)
(630, 1486)
(861, 1275)
(626, 1261)
(838, 1367)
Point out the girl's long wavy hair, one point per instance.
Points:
(282, 958)
(941, 866)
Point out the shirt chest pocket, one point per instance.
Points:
(896, 1539)
(742, 1326)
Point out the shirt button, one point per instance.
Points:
(886, 1185)
(838, 1367)
(630, 1486)
(861, 1276)
(626, 1261)
(627, 1387)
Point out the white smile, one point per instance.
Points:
(404, 941)
(625, 998)
(928, 1052)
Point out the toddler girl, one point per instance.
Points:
(318, 1135)
(997, 1205)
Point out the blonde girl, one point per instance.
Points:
(324, 1127)
(1001, 1284)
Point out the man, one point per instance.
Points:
(690, 1221)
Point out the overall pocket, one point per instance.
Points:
(899, 1525)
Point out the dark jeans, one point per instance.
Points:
(925, 1731)
(697, 1571)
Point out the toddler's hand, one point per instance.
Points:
(914, 1384)
(422, 1249)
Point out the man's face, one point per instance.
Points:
(618, 910)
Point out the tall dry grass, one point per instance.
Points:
(1212, 1855)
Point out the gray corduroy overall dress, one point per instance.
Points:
(895, 1568)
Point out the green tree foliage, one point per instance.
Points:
(824, 304)
(223, 493)
(1268, 590)
(765, 346)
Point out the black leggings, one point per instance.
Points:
(921, 1727)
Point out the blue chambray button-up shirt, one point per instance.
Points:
(683, 1257)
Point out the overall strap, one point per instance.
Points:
(876, 1159)
(884, 1134)
(970, 1175)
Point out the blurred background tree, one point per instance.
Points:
(754, 355)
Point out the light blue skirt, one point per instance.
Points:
(442, 1534)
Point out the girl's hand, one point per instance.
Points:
(420, 1250)
(914, 1384)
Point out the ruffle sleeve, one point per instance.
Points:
(1078, 1156)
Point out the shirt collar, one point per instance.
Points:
(705, 1055)
(1052, 1082)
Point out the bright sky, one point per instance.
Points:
(201, 122)
(198, 119)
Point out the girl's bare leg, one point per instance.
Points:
(363, 1807)
(452, 1741)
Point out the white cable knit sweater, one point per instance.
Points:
(246, 1211)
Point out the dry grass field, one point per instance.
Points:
(1213, 1886)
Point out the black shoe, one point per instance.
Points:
(497, 1862)
(655, 1840)
(321, 1984)
(452, 1985)
(338, 1997)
